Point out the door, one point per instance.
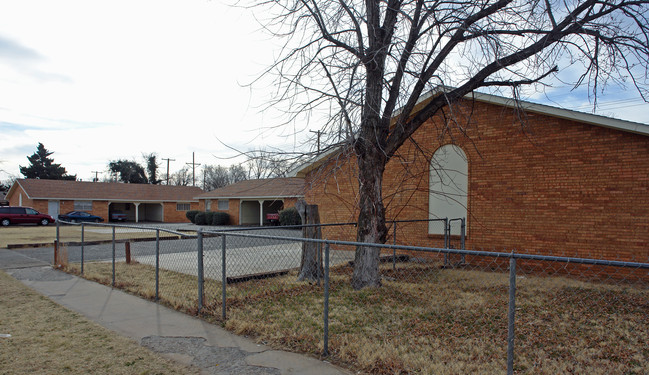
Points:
(53, 209)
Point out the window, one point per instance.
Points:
(83, 205)
(224, 204)
(183, 206)
(448, 189)
(208, 205)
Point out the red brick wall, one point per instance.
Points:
(172, 215)
(552, 186)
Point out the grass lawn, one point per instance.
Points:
(32, 234)
(48, 339)
(425, 320)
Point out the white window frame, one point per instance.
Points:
(183, 206)
(448, 188)
(223, 204)
(208, 205)
(83, 205)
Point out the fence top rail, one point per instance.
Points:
(493, 254)
(141, 227)
(300, 226)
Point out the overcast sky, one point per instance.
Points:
(96, 81)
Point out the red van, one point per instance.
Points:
(22, 215)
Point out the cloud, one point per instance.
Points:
(10, 127)
(22, 59)
(14, 51)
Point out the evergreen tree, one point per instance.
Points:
(128, 171)
(43, 167)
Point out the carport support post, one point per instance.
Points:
(224, 279)
(199, 236)
(113, 256)
(157, 263)
(82, 245)
(511, 315)
(325, 351)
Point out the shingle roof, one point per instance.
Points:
(114, 191)
(264, 188)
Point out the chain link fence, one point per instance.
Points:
(437, 310)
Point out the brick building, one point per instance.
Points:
(527, 177)
(140, 202)
(248, 202)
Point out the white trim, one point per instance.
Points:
(268, 197)
(589, 118)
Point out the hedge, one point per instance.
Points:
(220, 218)
(289, 216)
(191, 215)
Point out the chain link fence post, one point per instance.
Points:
(224, 279)
(325, 351)
(113, 256)
(157, 264)
(394, 242)
(199, 237)
(82, 245)
(511, 315)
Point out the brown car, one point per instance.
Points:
(23, 215)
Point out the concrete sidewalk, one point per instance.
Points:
(176, 335)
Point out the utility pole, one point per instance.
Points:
(97, 175)
(168, 168)
(193, 164)
(318, 132)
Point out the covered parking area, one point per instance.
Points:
(138, 211)
(254, 212)
(249, 202)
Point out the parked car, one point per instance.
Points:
(78, 216)
(22, 215)
(118, 216)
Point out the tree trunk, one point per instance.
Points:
(311, 263)
(371, 219)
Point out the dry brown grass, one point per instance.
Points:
(48, 339)
(30, 234)
(427, 320)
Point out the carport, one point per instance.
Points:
(253, 212)
(140, 202)
(138, 211)
(248, 202)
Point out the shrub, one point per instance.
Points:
(191, 215)
(208, 217)
(289, 216)
(199, 219)
(221, 218)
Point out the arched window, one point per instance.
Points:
(448, 187)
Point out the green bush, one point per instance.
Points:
(289, 216)
(209, 217)
(199, 219)
(191, 215)
(221, 218)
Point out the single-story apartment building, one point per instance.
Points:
(248, 202)
(140, 202)
(525, 177)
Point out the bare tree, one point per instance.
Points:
(182, 177)
(215, 176)
(373, 60)
(237, 173)
(267, 164)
